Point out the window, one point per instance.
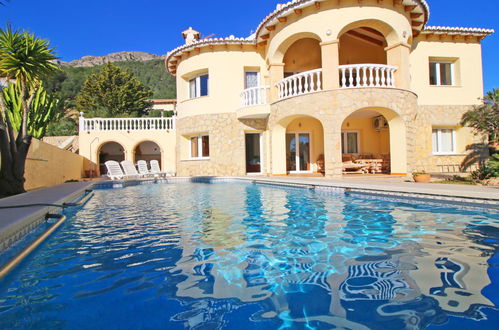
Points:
(251, 79)
(444, 141)
(441, 73)
(198, 86)
(350, 142)
(200, 147)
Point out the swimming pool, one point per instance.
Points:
(208, 256)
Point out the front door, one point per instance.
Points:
(298, 152)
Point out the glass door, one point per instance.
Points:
(253, 153)
(298, 152)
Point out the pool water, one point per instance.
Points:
(237, 255)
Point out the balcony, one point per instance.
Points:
(299, 84)
(254, 103)
(367, 75)
(126, 124)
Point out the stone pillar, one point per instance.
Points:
(276, 74)
(330, 62)
(398, 55)
(278, 150)
(332, 152)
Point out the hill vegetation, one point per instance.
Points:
(68, 83)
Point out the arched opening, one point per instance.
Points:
(363, 59)
(303, 55)
(304, 145)
(110, 151)
(147, 151)
(373, 141)
(362, 45)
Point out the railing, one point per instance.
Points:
(254, 96)
(301, 83)
(367, 75)
(126, 124)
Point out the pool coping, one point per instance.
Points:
(15, 223)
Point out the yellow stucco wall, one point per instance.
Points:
(375, 142)
(467, 58)
(303, 55)
(226, 79)
(91, 142)
(47, 165)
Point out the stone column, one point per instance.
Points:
(330, 62)
(398, 55)
(332, 151)
(276, 74)
(278, 150)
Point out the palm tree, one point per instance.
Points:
(26, 59)
(484, 119)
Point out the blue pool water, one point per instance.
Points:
(223, 256)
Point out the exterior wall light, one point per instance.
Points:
(329, 32)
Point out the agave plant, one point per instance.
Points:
(26, 59)
(43, 109)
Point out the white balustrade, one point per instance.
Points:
(301, 83)
(367, 75)
(254, 96)
(126, 124)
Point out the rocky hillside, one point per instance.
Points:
(90, 61)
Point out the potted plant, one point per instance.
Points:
(421, 177)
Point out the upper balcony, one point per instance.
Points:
(126, 124)
(254, 103)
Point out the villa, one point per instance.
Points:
(323, 86)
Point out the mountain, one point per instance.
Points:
(90, 61)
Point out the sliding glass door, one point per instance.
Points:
(298, 152)
(253, 153)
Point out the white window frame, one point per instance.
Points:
(345, 142)
(297, 156)
(257, 78)
(197, 89)
(437, 73)
(439, 141)
(200, 147)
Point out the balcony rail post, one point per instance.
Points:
(301, 83)
(367, 75)
(125, 124)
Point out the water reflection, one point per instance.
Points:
(238, 255)
(372, 264)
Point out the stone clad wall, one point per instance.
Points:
(227, 144)
(445, 115)
(331, 108)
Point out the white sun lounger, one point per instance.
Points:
(114, 171)
(130, 169)
(143, 170)
(157, 171)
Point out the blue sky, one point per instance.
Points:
(100, 27)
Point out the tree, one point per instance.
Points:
(113, 93)
(484, 119)
(26, 59)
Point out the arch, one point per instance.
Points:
(109, 150)
(147, 150)
(298, 145)
(387, 30)
(386, 142)
(362, 45)
(278, 55)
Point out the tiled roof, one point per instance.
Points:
(289, 7)
(459, 30)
